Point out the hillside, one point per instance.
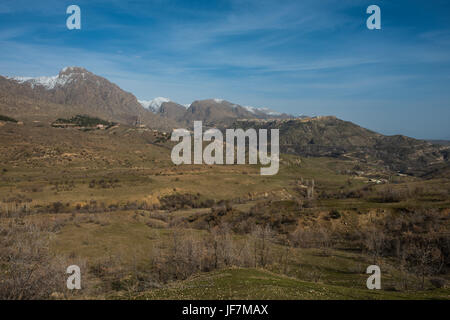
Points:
(73, 91)
(332, 137)
(254, 284)
(174, 111)
(76, 91)
(112, 202)
(216, 112)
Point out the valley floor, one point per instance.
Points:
(140, 227)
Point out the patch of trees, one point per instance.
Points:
(184, 201)
(7, 119)
(416, 239)
(104, 183)
(29, 270)
(84, 121)
(281, 216)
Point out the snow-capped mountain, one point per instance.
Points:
(219, 111)
(66, 76)
(74, 91)
(252, 110)
(262, 110)
(155, 104)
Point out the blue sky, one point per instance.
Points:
(300, 57)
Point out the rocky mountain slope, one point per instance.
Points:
(218, 111)
(174, 111)
(73, 91)
(77, 91)
(332, 137)
(212, 112)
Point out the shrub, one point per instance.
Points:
(438, 282)
(334, 214)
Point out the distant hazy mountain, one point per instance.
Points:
(440, 142)
(153, 105)
(210, 111)
(173, 111)
(221, 112)
(166, 109)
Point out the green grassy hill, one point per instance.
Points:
(259, 284)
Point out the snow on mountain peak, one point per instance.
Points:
(218, 100)
(64, 77)
(250, 109)
(155, 104)
(262, 110)
(68, 69)
(269, 112)
(46, 82)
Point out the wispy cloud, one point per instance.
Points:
(293, 56)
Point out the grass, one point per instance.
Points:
(129, 239)
(118, 234)
(36, 159)
(255, 284)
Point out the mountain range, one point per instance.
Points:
(76, 91)
(73, 91)
(211, 111)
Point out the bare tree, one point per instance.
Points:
(29, 270)
(426, 259)
(374, 241)
(262, 236)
